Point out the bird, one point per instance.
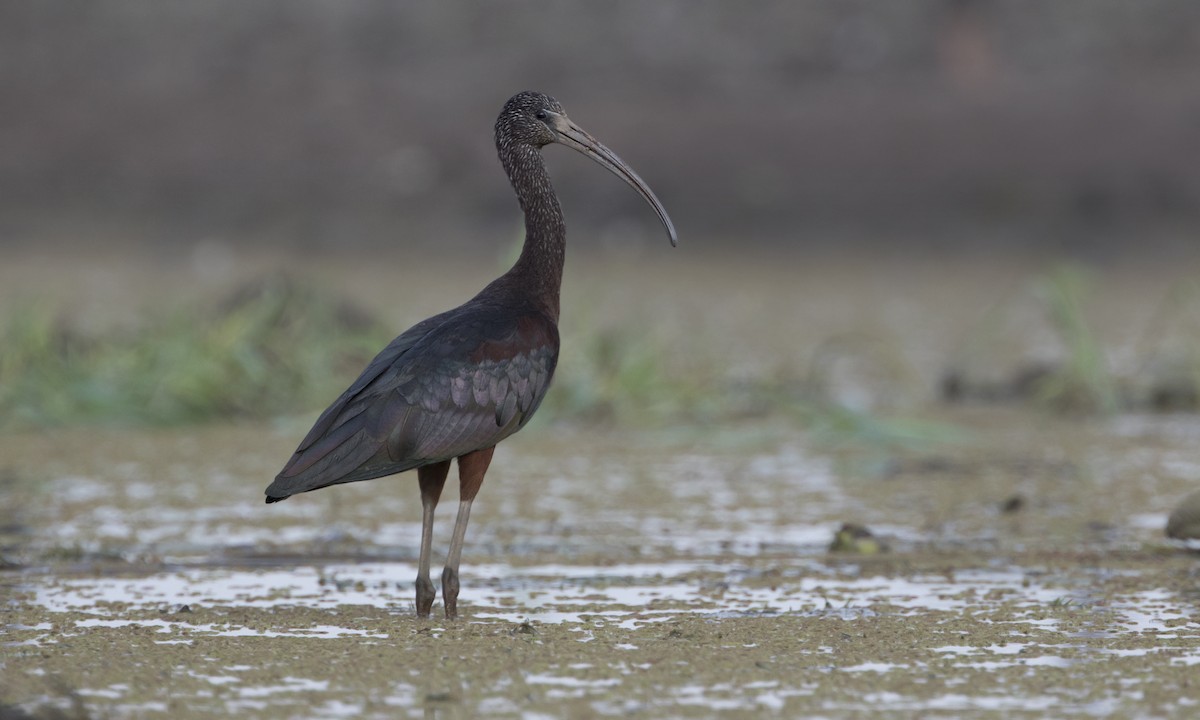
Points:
(454, 385)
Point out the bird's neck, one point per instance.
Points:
(538, 271)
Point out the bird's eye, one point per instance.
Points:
(540, 115)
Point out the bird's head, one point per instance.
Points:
(528, 118)
(535, 119)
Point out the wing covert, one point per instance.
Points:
(455, 383)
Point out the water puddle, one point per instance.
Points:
(626, 595)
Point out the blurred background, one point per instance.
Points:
(195, 181)
(927, 126)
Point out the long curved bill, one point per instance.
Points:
(574, 137)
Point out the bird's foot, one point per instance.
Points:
(425, 595)
(450, 592)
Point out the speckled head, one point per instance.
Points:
(533, 120)
(525, 119)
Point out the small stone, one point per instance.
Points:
(1014, 504)
(857, 539)
(1184, 522)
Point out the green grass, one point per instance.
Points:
(619, 375)
(1083, 381)
(1166, 376)
(274, 347)
(1073, 373)
(277, 348)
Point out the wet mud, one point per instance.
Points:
(611, 574)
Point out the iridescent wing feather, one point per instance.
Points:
(457, 382)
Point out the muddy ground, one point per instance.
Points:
(632, 567)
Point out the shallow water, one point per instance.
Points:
(611, 573)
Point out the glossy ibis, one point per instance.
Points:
(458, 383)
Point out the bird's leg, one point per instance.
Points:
(471, 468)
(432, 479)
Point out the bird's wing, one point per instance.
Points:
(351, 402)
(459, 382)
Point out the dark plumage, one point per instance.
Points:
(454, 385)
